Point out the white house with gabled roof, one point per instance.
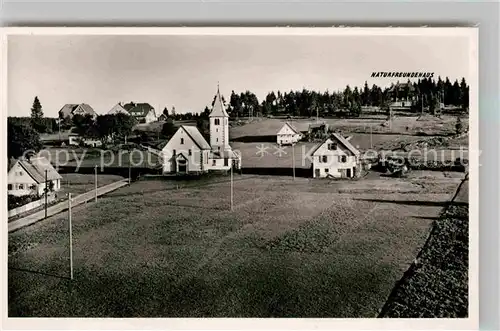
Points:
(187, 152)
(335, 157)
(28, 177)
(288, 134)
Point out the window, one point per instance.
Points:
(21, 186)
(182, 141)
(226, 162)
(344, 159)
(332, 146)
(9, 187)
(326, 170)
(216, 130)
(189, 152)
(217, 121)
(213, 162)
(216, 140)
(325, 158)
(20, 173)
(173, 151)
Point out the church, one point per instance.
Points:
(187, 152)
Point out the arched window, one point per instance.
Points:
(182, 141)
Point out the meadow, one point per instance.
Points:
(289, 248)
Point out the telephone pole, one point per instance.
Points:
(46, 192)
(293, 160)
(70, 238)
(232, 164)
(95, 181)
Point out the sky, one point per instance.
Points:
(183, 71)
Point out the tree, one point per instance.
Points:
(105, 126)
(37, 116)
(84, 125)
(458, 125)
(165, 112)
(203, 125)
(22, 139)
(124, 125)
(168, 128)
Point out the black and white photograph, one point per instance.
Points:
(241, 172)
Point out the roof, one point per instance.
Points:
(36, 167)
(69, 109)
(117, 109)
(215, 154)
(139, 109)
(196, 135)
(291, 127)
(400, 86)
(218, 109)
(317, 125)
(340, 139)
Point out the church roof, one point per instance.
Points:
(218, 110)
(196, 135)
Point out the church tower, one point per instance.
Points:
(219, 125)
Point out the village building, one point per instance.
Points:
(118, 109)
(402, 95)
(335, 157)
(162, 117)
(28, 177)
(69, 110)
(317, 131)
(288, 134)
(187, 152)
(142, 112)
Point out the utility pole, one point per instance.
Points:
(46, 192)
(232, 164)
(293, 160)
(371, 139)
(129, 174)
(70, 238)
(95, 180)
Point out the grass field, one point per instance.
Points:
(303, 248)
(81, 183)
(404, 125)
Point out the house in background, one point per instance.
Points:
(118, 109)
(162, 117)
(27, 177)
(402, 96)
(288, 134)
(69, 110)
(142, 112)
(188, 151)
(317, 131)
(335, 157)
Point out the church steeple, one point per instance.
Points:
(218, 110)
(219, 124)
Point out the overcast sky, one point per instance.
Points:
(184, 70)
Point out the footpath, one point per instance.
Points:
(62, 206)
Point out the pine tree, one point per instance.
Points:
(37, 116)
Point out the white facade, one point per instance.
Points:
(219, 133)
(182, 154)
(75, 140)
(118, 109)
(288, 135)
(150, 117)
(188, 151)
(333, 158)
(20, 182)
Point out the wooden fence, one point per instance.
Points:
(30, 206)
